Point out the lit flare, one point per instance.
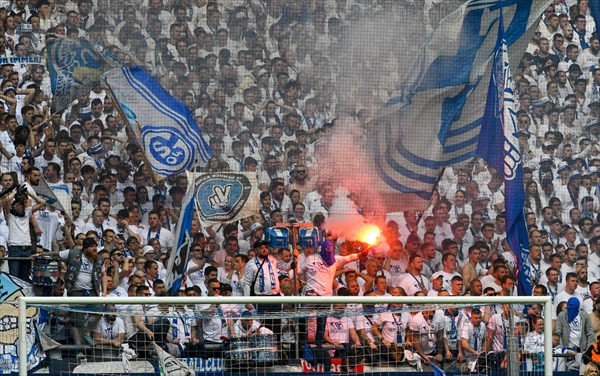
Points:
(370, 234)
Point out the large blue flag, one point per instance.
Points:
(499, 146)
(434, 117)
(74, 66)
(164, 125)
(594, 6)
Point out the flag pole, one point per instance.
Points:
(435, 186)
(133, 131)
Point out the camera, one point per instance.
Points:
(21, 195)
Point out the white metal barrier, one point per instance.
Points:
(423, 300)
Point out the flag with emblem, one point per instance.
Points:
(165, 127)
(226, 196)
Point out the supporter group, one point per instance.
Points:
(259, 78)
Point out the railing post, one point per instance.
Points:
(548, 337)
(22, 323)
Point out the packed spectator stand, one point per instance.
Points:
(259, 77)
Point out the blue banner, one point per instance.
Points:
(434, 117)
(499, 146)
(594, 6)
(179, 256)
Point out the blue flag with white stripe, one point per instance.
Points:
(499, 146)
(164, 125)
(433, 119)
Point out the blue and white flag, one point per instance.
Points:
(75, 67)
(437, 371)
(165, 126)
(432, 120)
(11, 288)
(499, 146)
(177, 263)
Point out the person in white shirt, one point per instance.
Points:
(109, 332)
(472, 338)
(340, 332)
(499, 330)
(320, 268)
(182, 339)
(261, 278)
(390, 328)
(449, 270)
(248, 327)
(155, 230)
(217, 327)
(424, 331)
(567, 293)
(413, 281)
(534, 341)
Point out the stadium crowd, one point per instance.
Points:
(260, 79)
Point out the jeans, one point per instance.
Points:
(19, 268)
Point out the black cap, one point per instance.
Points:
(260, 243)
(89, 242)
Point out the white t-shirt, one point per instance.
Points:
(255, 328)
(474, 335)
(196, 278)
(319, 276)
(575, 332)
(448, 279)
(181, 324)
(534, 342)
(500, 326)
(18, 229)
(365, 323)
(339, 328)
(164, 236)
(391, 325)
(49, 223)
(214, 328)
(563, 296)
(587, 303)
(110, 329)
(398, 267)
(412, 284)
(426, 330)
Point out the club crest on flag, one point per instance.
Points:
(221, 196)
(168, 146)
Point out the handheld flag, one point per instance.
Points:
(179, 256)
(75, 67)
(57, 195)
